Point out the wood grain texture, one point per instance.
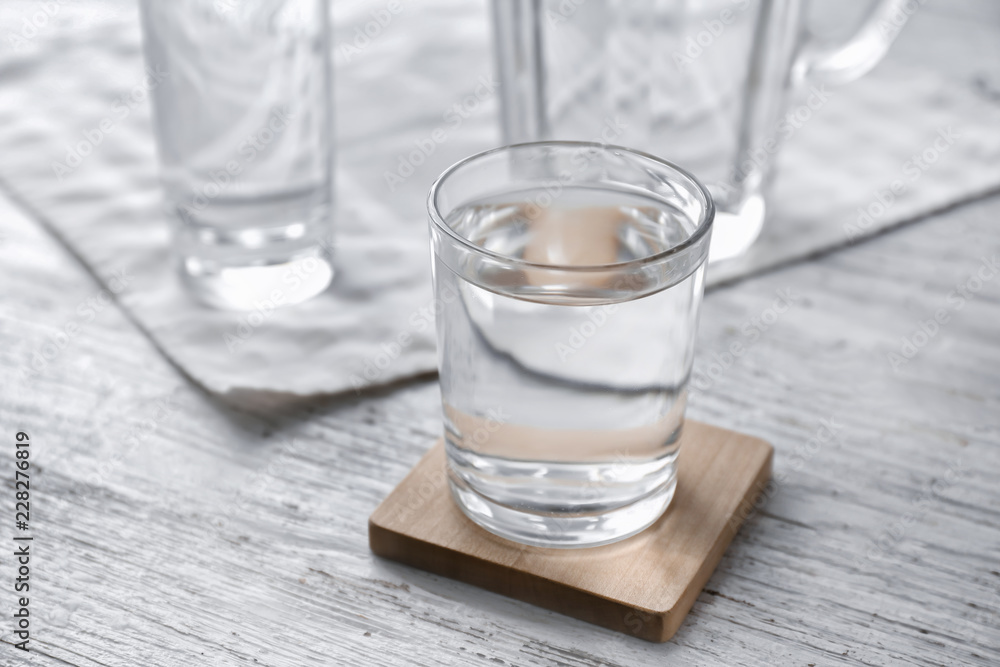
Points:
(173, 529)
(643, 586)
(210, 533)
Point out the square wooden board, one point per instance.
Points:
(643, 586)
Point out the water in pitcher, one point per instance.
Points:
(565, 393)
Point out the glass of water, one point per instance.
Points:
(568, 278)
(242, 115)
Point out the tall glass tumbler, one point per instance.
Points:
(242, 115)
(568, 278)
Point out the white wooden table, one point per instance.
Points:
(171, 528)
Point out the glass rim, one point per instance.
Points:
(703, 225)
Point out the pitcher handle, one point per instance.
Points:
(842, 63)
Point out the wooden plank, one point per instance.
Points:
(643, 586)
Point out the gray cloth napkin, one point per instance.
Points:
(428, 69)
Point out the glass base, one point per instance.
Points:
(248, 253)
(562, 530)
(734, 232)
(280, 282)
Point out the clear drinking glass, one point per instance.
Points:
(568, 278)
(242, 114)
(708, 83)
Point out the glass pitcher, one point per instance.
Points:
(704, 83)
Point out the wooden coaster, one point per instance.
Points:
(643, 586)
